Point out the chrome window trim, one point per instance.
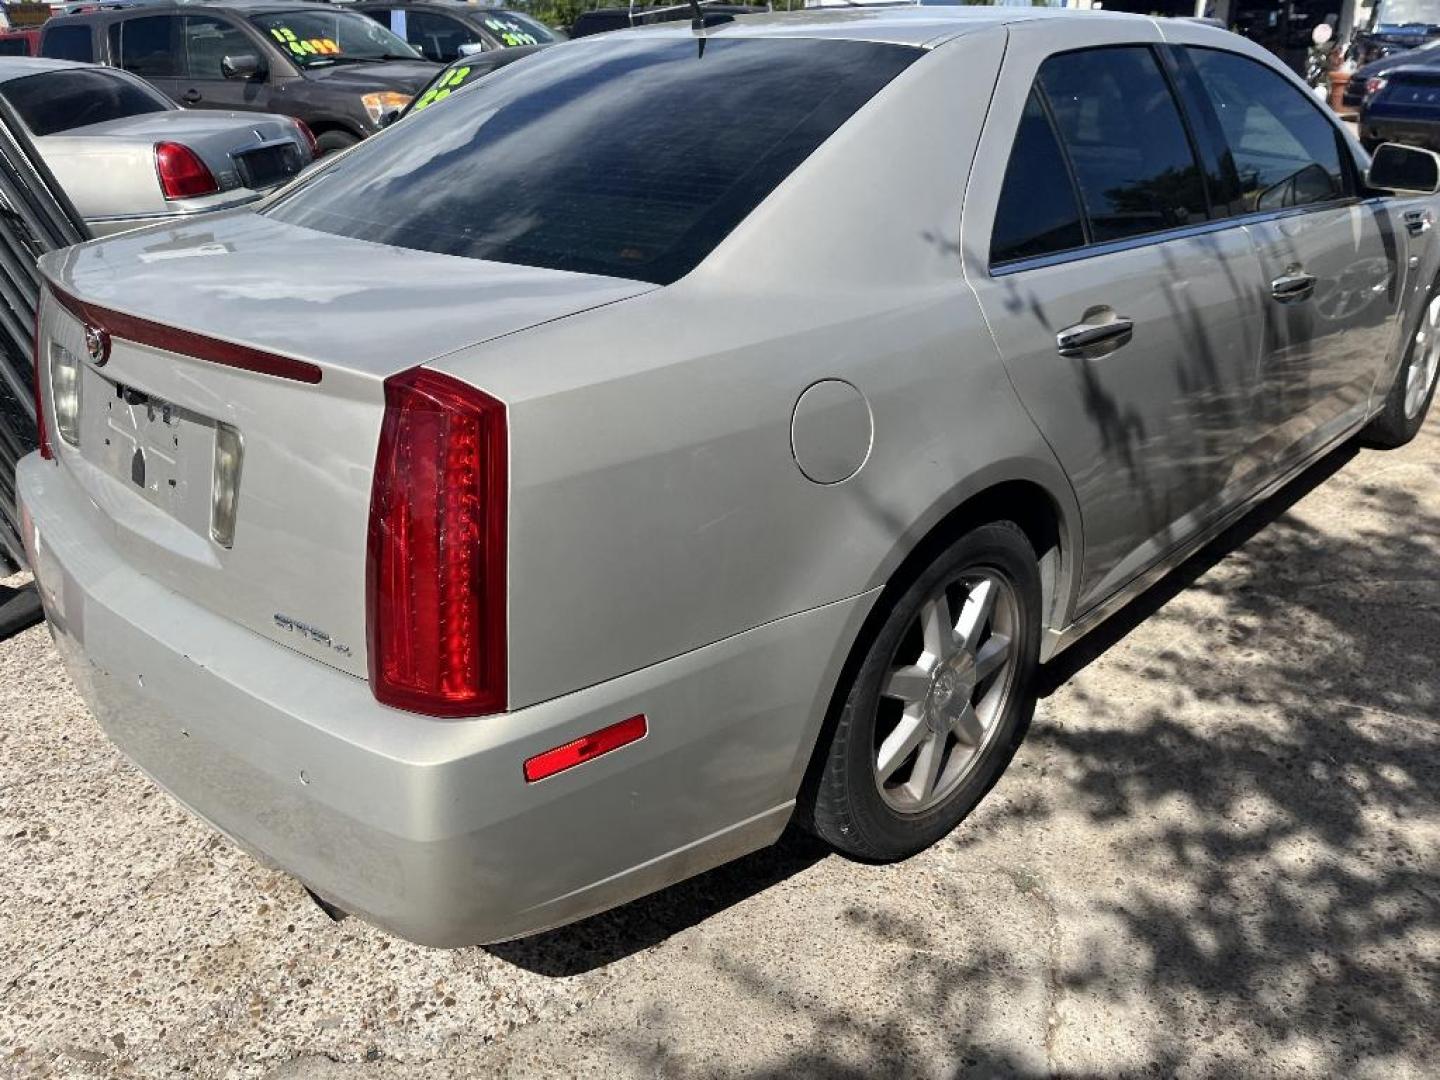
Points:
(1131, 243)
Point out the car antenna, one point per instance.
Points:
(701, 20)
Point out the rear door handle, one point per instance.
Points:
(191, 96)
(1087, 340)
(1288, 288)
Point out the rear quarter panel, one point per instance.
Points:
(655, 502)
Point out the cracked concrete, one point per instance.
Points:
(1218, 853)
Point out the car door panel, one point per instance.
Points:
(1156, 427)
(203, 85)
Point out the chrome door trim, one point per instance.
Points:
(1059, 258)
(1053, 642)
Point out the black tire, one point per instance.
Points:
(1396, 425)
(847, 809)
(329, 142)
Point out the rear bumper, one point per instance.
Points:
(1378, 128)
(426, 827)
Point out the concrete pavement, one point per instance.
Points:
(1218, 853)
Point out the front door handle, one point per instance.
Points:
(1087, 340)
(1417, 222)
(1288, 288)
(191, 96)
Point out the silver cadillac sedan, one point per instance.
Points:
(689, 431)
(127, 156)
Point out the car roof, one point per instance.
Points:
(17, 67)
(906, 24)
(248, 7)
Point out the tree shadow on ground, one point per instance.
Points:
(1296, 815)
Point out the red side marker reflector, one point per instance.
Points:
(199, 346)
(584, 749)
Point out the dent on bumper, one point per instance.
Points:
(426, 826)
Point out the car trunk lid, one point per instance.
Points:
(244, 338)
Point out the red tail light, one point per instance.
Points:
(41, 435)
(182, 174)
(308, 137)
(435, 581)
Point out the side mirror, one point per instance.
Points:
(244, 66)
(1404, 170)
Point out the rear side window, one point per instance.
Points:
(629, 158)
(148, 46)
(1038, 213)
(68, 43)
(1125, 140)
(1285, 152)
(438, 37)
(56, 101)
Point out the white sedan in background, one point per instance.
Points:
(128, 156)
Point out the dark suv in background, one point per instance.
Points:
(445, 30)
(336, 70)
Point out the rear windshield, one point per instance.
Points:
(56, 101)
(320, 38)
(631, 158)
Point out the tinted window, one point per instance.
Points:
(56, 101)
(1284, 150)
(438, 37)
(1127, 144)
(592, 158)
(14, 46)
(147, 46)
(1037, 213)
(67, 43)
(322, 38)
(208, 41)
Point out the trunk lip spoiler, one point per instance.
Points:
(189, 343)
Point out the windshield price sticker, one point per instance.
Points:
(511, 33)
(441, 90)
(305, 46)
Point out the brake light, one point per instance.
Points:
(308, 137)
(1374, 85)
(42, 438)
(435, 575)
(182, 174)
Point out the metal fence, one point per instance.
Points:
(35, 217)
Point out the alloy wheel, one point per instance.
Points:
(946, 689)
(1424, 361)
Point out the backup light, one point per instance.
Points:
(435, 580)
(65, 393)
(225, 484)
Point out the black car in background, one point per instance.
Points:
(1394, 31)
(445, 30)
(466, 71)
(339, 72)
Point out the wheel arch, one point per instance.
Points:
(1035, 497)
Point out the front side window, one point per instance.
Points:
(56, 101)
(438, 37)
(321, 38)
(208, 41)
(68, 43)
(1038, 213)
(565, 161)
(147, 46)
(1285, 152)
(1126, 143)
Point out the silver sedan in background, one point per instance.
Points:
(684, 432)
(126, 155)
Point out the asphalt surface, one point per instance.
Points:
(1217, 854)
